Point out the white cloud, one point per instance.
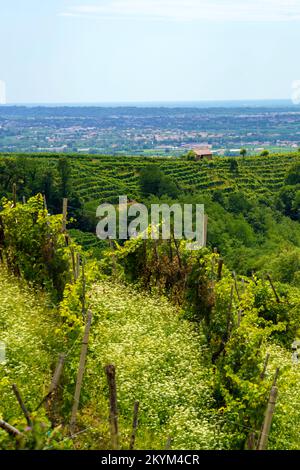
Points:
(191, 10)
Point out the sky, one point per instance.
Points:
(97, 51)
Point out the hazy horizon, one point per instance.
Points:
(193, 104)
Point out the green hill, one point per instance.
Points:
(102, 178)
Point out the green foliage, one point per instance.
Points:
(192, 348)
(293, 176)
(191, 155)
(33, 244)
(153, 181)
(238, 318)
(28, 328)
(160, 361)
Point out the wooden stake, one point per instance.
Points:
(263, 439)
(134, 424)
(45, 203)
(73, 263)
(251, 441)
(220, 267)
(83, 288)
(168, 443)
(10, 429)
(155, 250)
(276, 377)
(177, 252)
(273, 289)
(55, 379)
(263, 372)
(22, 405)
(239, 317)
(65, 211)
(236, 285)
(170, 250)
(77, 265)
(113, 408)
(14, 195)
(81, 368)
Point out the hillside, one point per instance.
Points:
(103, 178)
(199, 347)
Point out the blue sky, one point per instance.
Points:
(148, 50)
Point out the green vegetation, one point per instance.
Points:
(188, 337)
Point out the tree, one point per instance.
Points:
(265, 153)
(153, 181)
(293, 176)
(234, 167)
(168, 187)
(150, 180)
(243, 152)
(191, 155)
(238, 203)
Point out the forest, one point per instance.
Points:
(186, 349)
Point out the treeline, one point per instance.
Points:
(51, 178)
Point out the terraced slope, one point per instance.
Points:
(103, 178)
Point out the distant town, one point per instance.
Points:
(161, 131)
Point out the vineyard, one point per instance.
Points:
(144, 344)
(102, 178)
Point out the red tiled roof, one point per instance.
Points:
(202, 152)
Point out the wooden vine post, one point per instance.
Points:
(263, 438)
(220, 268)
(273, 289)
(55, 380)
(45, 203)
(65, 211)
(265, 431)
(168, 443)
(73, 263)
(14, 195)
(113, 406)
(236, 285)
(134, 424)
(22, 405)
(263, 372)
(10, 429)
(83, 289)
(81, 368)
